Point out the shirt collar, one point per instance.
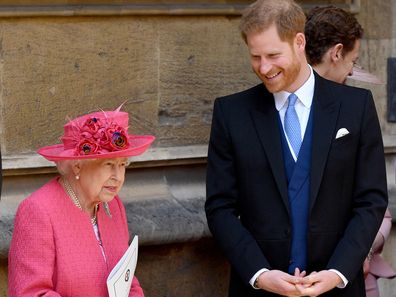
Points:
(304, 93)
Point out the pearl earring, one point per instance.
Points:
(77, 177)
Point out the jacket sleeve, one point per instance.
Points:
(370, 196)
(221, 205)
(384, 230)
(32, 253)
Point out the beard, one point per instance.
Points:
(286, 77)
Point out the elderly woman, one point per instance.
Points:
(69, 234)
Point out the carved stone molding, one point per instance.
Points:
(26, 8)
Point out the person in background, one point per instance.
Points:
(70, 233)
(296, 179)
(333, 42)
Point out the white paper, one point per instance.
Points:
(120, 278)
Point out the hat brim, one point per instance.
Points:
(138, 145)
(360, 74)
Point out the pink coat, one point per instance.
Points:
(379, 268)
(54, 251)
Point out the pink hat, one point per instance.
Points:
(102, 134)
(360, 74)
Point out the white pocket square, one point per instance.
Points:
(342, 132)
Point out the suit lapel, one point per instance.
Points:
(265, 119)
(325, 113)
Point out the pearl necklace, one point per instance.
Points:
(75, 199)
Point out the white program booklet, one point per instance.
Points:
(120, 278)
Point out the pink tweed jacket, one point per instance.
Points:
(54, 251)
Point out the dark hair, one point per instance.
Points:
(287, 15)
(328, 26)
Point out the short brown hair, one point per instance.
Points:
(287, 15)
(328, 26)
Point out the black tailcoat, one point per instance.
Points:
(247, 205)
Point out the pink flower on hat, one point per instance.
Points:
(92, 125)
(118, 138)
(97, 137)
(87, 146)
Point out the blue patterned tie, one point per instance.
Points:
(292, 125)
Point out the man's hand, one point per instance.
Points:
(318, 283)
(281, 283)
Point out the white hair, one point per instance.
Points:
(65, 167)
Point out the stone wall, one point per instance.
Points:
(168, 60)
